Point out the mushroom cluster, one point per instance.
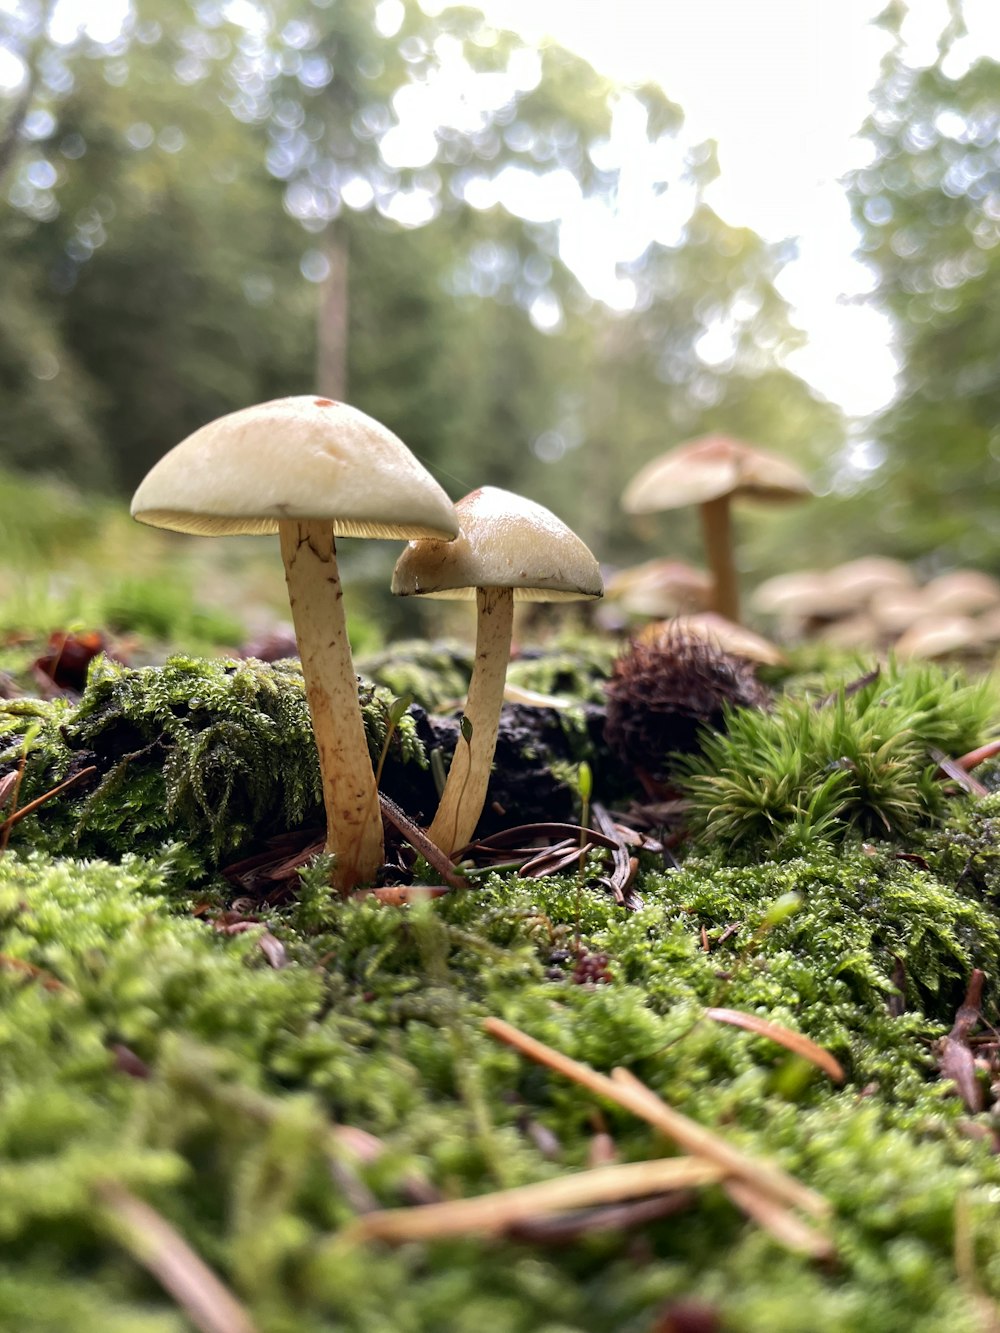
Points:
(876, 602)
(311, 470)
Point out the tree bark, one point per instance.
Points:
(332, 318)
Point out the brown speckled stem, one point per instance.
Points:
(465, 789)
(353, 814)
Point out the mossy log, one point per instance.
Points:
(219, 755)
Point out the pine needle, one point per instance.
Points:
(166, 1255)
(496, 1213)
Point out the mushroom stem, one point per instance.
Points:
(353, 814)
(465, 790)
(717, 533)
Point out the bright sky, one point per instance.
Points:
(782, 86)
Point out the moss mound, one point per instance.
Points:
(219, 752)
(219, 1064)
(140, 1045)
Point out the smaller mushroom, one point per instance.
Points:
(894, 610)
(710, 472)
(938, 635)
(856, 582)
(508, 549)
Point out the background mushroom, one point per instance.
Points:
(310, 470)
(710, 472)
(508, 549)
(660, 587)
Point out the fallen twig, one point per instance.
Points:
(954, 769)
(420, 842)
(38, 974)
(625, 865)
(564, 1228)
(979, 755)
(28, 809)
(955, 1059)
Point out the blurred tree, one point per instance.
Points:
(928, 207)
(191, 192)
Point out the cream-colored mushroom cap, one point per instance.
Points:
(730, 637)
(803, 593)
(938, 636)
(709, 468)
(294, 458)
(504, 541)
(962, 592)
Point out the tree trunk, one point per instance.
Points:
(332, 318)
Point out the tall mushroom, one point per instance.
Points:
(710, 472)
(508, 549)
(310, 470)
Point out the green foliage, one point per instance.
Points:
(177, 184)
(435, 674)
(925, 208)
(164, 609)
(772, 783)
(219, 753)
(576, 668)
(45, 520)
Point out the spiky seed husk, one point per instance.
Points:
(663, 691)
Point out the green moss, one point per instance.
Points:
(436, 675)
(576, 668)
(861, 761)
(375, 1023)
(216, 753)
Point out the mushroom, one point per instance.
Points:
(962, 592)
(894, 610)
(731, 638)
(939, 635)
(311, 470)
(710, 472)
(508, 549)
(660, 588)
(801, 602)
(856, 582)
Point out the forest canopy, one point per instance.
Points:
(206, 205)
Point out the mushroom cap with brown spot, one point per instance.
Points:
(504, 541)
(708, 469)
(294, 458)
